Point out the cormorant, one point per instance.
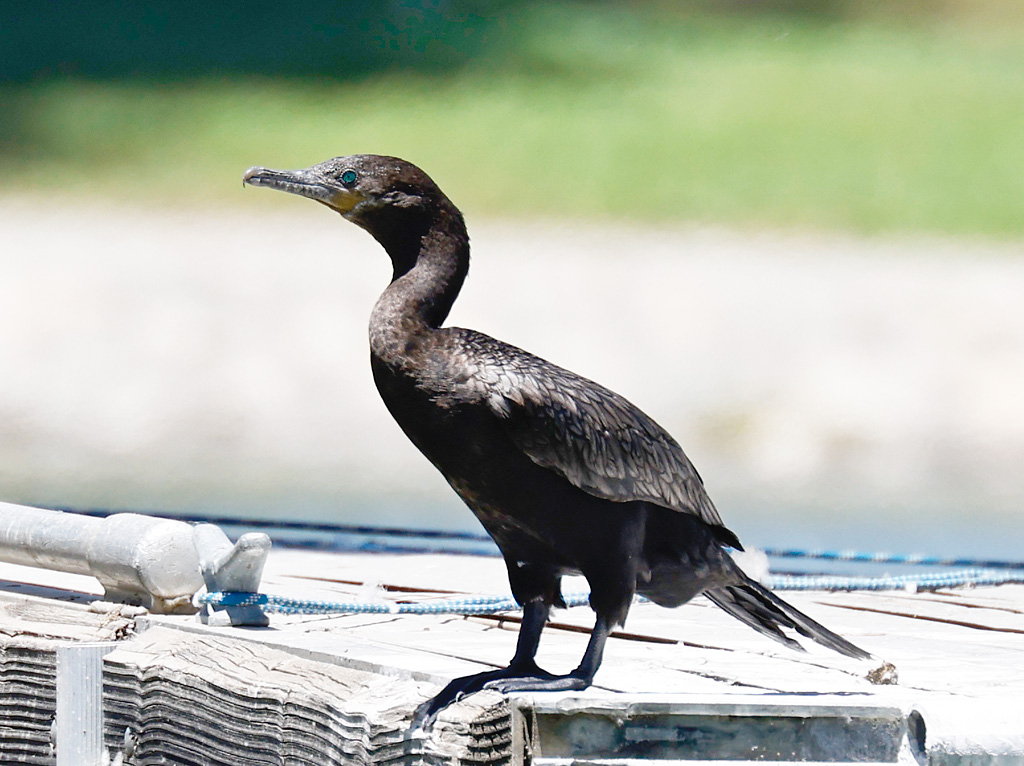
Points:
(565, 475)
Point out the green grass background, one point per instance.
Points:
(850, 115)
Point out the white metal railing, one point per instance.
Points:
(157, 563)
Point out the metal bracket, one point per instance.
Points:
(231, 568)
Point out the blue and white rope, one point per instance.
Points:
(470, 605)
(464, 606)
(930, 581)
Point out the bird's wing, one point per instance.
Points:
(592, 436)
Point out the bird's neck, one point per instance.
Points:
(430, 258)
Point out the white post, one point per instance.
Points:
(78, 727)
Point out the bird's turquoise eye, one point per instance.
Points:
(348, 177)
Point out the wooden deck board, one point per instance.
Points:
(959, 654)
(966, 641)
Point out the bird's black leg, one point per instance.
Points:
(522, 666)
(580, 678)
(535, 617)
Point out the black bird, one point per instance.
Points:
(565, 475)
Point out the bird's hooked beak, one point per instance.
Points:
(311, 183)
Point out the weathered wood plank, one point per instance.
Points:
(336, 689)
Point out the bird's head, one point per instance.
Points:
(363, 187)
(392, 199)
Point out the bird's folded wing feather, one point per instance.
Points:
(593, 437)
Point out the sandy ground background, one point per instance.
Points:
(832, 391)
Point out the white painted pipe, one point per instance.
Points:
(138, 559)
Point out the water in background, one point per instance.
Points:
(833, 392)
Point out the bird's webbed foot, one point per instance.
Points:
(527, 674)
(540, 682)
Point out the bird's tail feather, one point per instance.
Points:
(768, 614)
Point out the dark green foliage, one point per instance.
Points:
(168, 39)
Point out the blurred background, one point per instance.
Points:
(792, 232)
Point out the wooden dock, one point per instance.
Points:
(690, 684)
